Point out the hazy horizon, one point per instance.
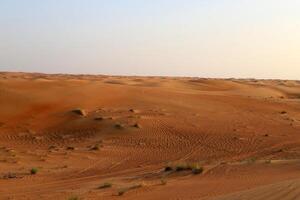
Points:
(217, 38)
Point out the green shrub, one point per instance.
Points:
(34, 171)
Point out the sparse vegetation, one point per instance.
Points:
(136, 125)
(98, 118)
(197, 170)
(194, 167)
(126, 189)
(132, 110)
(105, 185)
(96, 147)
(70, 148)
(119, 126)
(34, 171)
(168, 168)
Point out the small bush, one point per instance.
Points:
(197, 170)
(181, 167)
(119, 126)
(136, 125)
(168, 168)
(105, 185)
(194, 167)
(96, 147)
(70, 148)
(34, 171)
(98, 118)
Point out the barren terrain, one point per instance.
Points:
(109, 137)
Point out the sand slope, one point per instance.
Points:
(81, 131)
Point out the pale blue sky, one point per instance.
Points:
(207, 38)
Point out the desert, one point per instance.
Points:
(76, 137)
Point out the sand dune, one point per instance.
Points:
(81, 131)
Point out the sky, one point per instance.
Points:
(205, 38)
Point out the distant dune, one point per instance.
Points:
(113, 137)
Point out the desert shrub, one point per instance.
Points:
(71, 148)
(98, 118)
(136, 125)
(194, 167)
(119, 126)
(96, 147)
(168, 168)
(197, 170)
(105, 185)
(34, 171)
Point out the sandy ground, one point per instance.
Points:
(146, 137)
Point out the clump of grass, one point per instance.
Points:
(132, 110)
(194, 167)
(126, 189)
(70, 148)
(197, 170)
(136, 125)
(96, 147)
(34, 171)
(119, 126)
(98, 118)
(182, 167)
(105, 185)
(168, 168)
